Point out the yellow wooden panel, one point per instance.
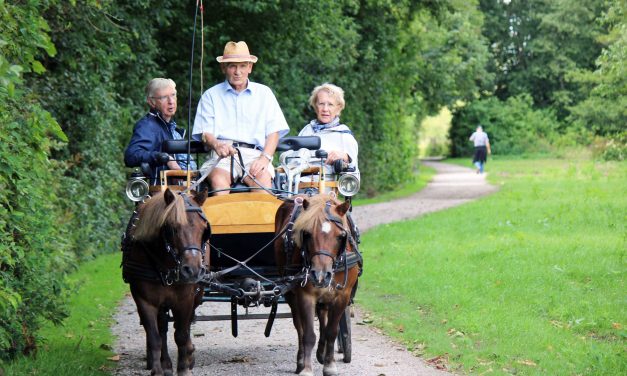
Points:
(246, 212)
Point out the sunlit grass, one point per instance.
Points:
(530, 280)
(82, 345)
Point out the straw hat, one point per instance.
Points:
(236, 53)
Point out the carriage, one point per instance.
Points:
(250, 224)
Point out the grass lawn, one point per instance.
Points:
(82, 345)
(530, 280)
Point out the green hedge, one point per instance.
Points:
(72, 75)
(514, 126)
(33, 247)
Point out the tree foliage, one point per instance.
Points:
(72, 75)
(568, 57)
(537, 43)
(604, 111)
(33, 252)
(514, 126)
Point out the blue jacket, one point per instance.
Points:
(148, 136)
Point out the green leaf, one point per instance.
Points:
(38, 67)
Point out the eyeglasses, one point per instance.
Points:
(164, 98)
(330, 105)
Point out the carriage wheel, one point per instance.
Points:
(344, 344)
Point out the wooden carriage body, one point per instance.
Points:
(242, 233)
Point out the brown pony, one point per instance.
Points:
(163, 262)
(321, 245)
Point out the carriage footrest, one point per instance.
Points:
(252, 316)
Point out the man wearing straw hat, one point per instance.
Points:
(238, 113)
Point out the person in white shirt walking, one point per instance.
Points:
(482, 148)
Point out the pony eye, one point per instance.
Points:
(343, 235)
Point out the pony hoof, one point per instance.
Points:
(330, 370)
(306, 373)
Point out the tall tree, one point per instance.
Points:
(537, 44)
(604, 111)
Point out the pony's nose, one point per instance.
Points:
(321, 278)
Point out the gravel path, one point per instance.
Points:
(218, 353)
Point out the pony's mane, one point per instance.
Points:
(154, 214)
(313, 217)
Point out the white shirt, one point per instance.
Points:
(480, 138)
(249, 116)
(336, 138)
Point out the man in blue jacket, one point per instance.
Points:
(153, 129)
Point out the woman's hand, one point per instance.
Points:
(172, 165)
(334, 155)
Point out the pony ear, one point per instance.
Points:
(200, 197)
(342, 209)
(168, 196)
(305, 204)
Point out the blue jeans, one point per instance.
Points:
(479, 166)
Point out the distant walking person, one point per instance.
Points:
(482, 148)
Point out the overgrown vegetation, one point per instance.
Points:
(528, 281)
(72, 75)
(563, 83)
(33, 249)
(86, 333)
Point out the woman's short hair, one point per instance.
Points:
(333, 90)
(158, 84)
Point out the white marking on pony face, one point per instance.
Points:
(326, 227)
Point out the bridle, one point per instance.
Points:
(172, 275)
(340, 260)
(169, 276)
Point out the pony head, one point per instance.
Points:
(321, 233)
(177, 231)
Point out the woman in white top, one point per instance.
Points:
(336, 138)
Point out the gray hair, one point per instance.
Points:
(158, 84)
(332, 90)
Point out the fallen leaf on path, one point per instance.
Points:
(439, 362)
(114, 358)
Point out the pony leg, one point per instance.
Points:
(148, 317)
(300, 356)
(166, 362)
(307, 307)
(335, 312)
(322, 313)
(182, 328)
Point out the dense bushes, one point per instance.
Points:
(514, 126)
(569, 58)
(33, 245)
(63, 201)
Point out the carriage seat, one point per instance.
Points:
(285, 143)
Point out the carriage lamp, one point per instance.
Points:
(137, 187)
(348, 184)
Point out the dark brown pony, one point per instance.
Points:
(163, 262)
(319, 245)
